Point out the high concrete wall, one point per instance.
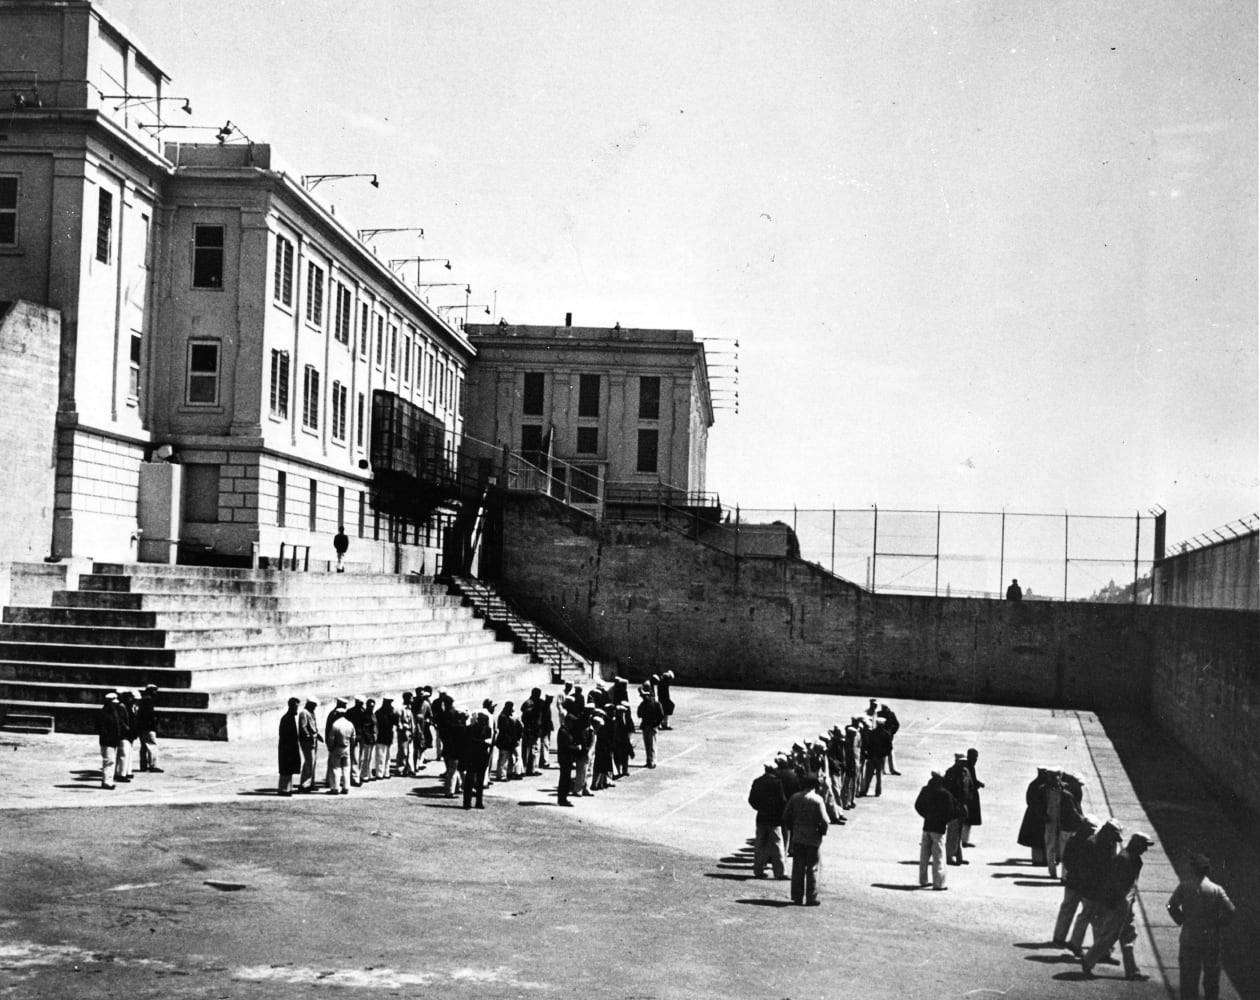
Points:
(30, 338)
(1225, 575)
(1205, 690)
(650, 599)
(645, 598)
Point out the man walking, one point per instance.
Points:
(767, 798)
(1202, 910)
(806, 815)
(340, 544)
(937, 807)
(1119, 892)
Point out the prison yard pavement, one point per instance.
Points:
(201, 882)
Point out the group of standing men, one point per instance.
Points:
(124, 717)
(804, 790)
(366, 742)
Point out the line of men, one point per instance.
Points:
(366, 742)
(124, 717)
(801, 792)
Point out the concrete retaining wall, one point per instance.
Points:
(645, 599)
(1224, 575)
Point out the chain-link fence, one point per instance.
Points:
(976, 553)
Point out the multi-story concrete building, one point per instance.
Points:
(213, 313)
(608, 413)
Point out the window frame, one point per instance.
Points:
(6, 210)
(578, 443)
(528, 396)
(282, 277)
(135, 362)
(199, 248)
(190, 374)
(343, 312)
(337, 423)
(278, 393)
(310, 399)
(643, 397)
(315, 295)
(655, 438)
(104, 226)
(584, 398)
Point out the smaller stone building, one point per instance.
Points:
(607, 413)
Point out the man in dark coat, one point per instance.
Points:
(289, 749)
(1092, 864)
(937, 807)
(623, 746)
(767, 798)
(878, 745)
(1014, 592)
(474, 757)
(146, 727)
(849, 773)
(891, 725)
(531, 730)
(340, 545)
(1032, 830)
(1119, 892)
(109, 733)
(790, 781)
(546, 726)
(958, 781)
(354, 715)
(1075, 873)
(127, 710)
(663, 696)
(566, 753)
(507, 738)
(806, 816)
(974, 815)
(386, 723)
(650, 719)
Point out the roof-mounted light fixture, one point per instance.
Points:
(312, 181)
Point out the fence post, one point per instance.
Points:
(1066, 557)
(1137, 549)
(874, 546)
(833, 536)
(1002, 558)
(936, 584)
(737, 531)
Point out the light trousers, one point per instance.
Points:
(931, 850)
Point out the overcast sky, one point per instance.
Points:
(976, 255)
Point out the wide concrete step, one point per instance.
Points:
(54, 692)
(131, 656)
(91, 617)
(333, 579)
(275, 584)
(146, 638)
(32, 723)
(177, 723)
(110, 676)
(246, 603)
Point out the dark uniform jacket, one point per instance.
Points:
(109, 725)
(766, 796)
(935, 805)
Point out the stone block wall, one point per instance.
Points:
(98, 489)
(30, 338)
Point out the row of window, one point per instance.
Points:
(439, 382)
(428, 532)
(590, 388)
(646, 458)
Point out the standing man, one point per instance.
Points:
(531, 718)
(109, 732)
(308, 742)
(650, 719)
(340, 740)
(340, 544)
(878, 746)
(806, 815)
(937, 807)
(146, 725)
(289, 749)
(958, 781)
(767, 798)
(1202, 910)
(127, 746)
(974, 816)
(891, 725)
(474, 756)
(566, 752)
(386, 723)
(1013, 593)
(663, 696)
(1119, 892)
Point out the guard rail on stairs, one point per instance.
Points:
(543, 647)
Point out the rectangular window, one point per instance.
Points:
(364, 327)
(8, 211)
(362, 512)
(359, 420)
(531, 442)
(588, 396)
(380, 341)
(649, 397)
(312, 518)
(343, 316)
(201, 493)
(310, 398)
(406, 356)
(282, 488)
(283, 291)
(393, 349)
(584, 484)
(647, 452)
(338, 411)
(587, 440)
(431, 364)
(133, 370)
(341, 508)
(203, 373)
(207, 256)
(104, 226)
(532, 400)
(314, 294)
(280, 383)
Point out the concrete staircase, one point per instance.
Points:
(228, 647)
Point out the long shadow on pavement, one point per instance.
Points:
(1191, 812)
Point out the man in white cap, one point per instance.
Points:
(650, 718)
(339, 737)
